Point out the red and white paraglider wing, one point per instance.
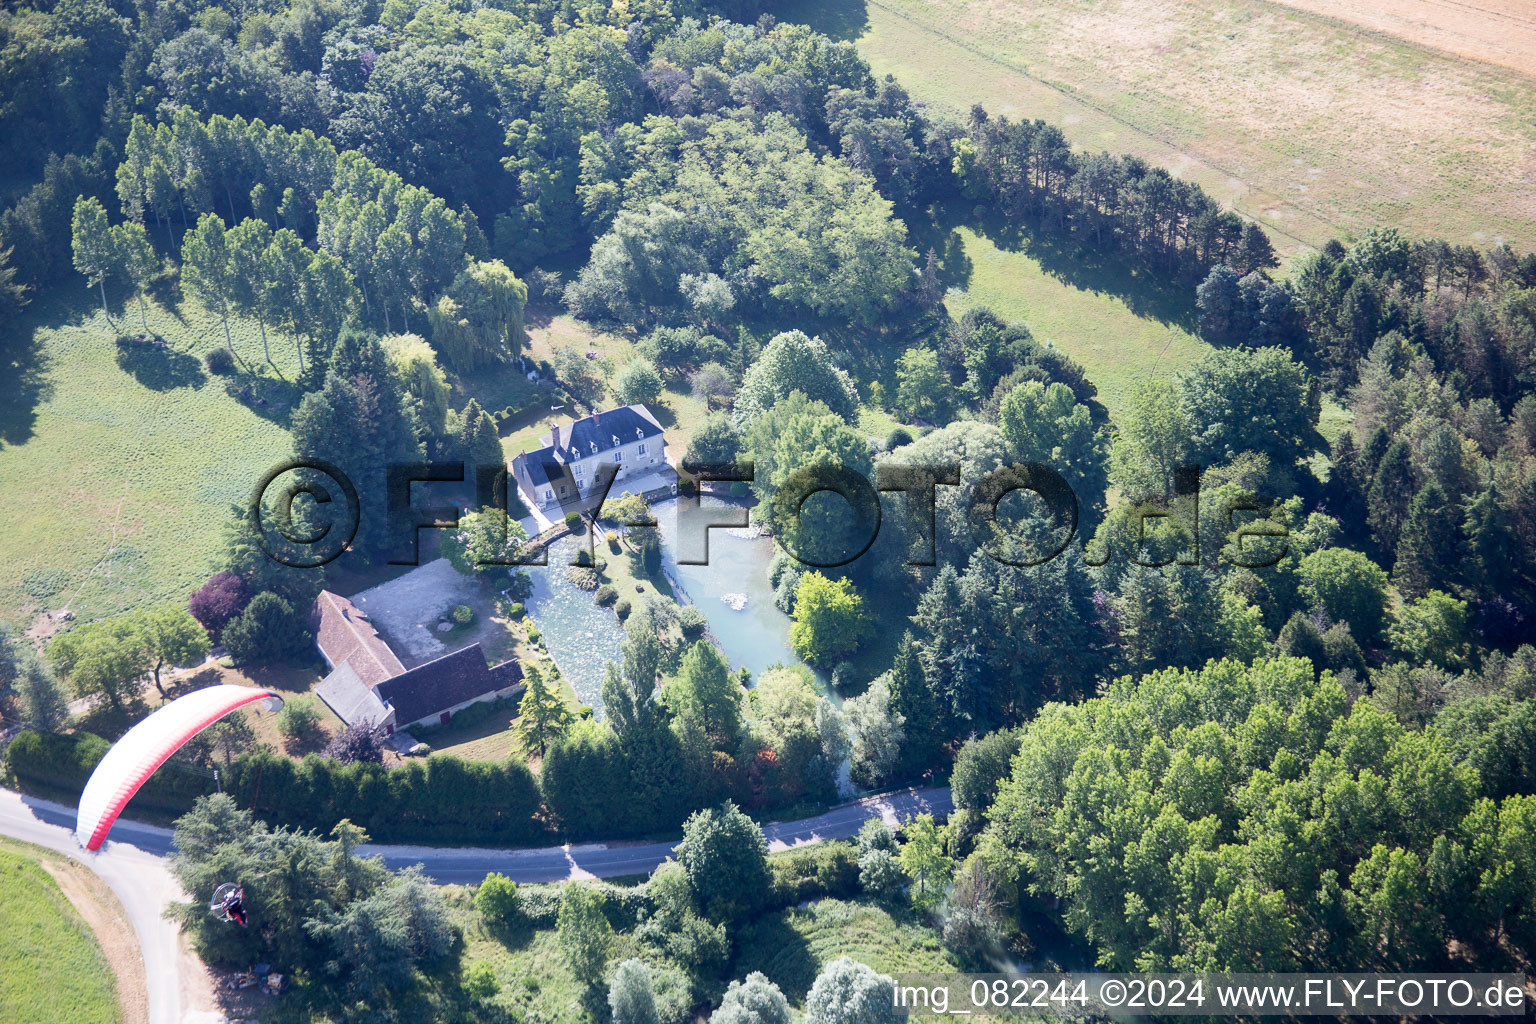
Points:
(145, 747)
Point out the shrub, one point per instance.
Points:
(463, 615)
(540, 904)
(606, 595)
(692, 622)
(359, 743)
(219, 362)
(897, 437)
(816, 872)
(496, 802)
(497, 899)
(622, 608)
(299, 718)
(268, 630)
(52, 763)
(534, 636)
(843, 678)
(516, 610)
(582, 577)
(573, 521)
(219, 600)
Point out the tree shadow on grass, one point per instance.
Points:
(843, 20)
(268, 398)
(24, 385)
(772, 945)
(1073, 259)
(938, 234)
(160, 368)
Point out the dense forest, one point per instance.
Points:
(1286, 722)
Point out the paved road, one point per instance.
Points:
(136, 873)
(132, 863)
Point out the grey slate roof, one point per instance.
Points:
(576, 441)
(354, 701)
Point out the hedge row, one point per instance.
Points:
(441, 799)
(56, 763)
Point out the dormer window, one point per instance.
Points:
(639, 431)
(594, 447)
(615, 440)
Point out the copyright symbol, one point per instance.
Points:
(307, 534)
(1112, 992)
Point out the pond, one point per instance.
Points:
(753, 633)
(582, 637)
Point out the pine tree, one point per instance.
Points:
(1346, 489)
(477, 438)
(1371, 455)
(1300, 638)
(13, 296)
(914, 700)
(1255, 252)
(1390, 495)
(543, 716)
(1429, 549)
(1491, 543)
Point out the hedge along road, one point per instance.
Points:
(132, 863)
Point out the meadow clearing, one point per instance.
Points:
(118, 470)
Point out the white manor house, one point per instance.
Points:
(564, 472)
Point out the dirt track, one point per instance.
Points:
(1499, 32)
(107, 920)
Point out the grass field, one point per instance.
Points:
(1120, 333)
(1307, 124)
(793, 945)
(52, 971)
(116, 478)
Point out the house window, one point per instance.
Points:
(547, 494)
(640, 450)
(618, 456)
(580, 469)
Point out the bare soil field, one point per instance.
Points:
(1309, 124)
(1499, 32)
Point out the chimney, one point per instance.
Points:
(554, 435)
(597, 417)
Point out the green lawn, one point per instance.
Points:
(52, 970)
(1120, 327)
(117, 475)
